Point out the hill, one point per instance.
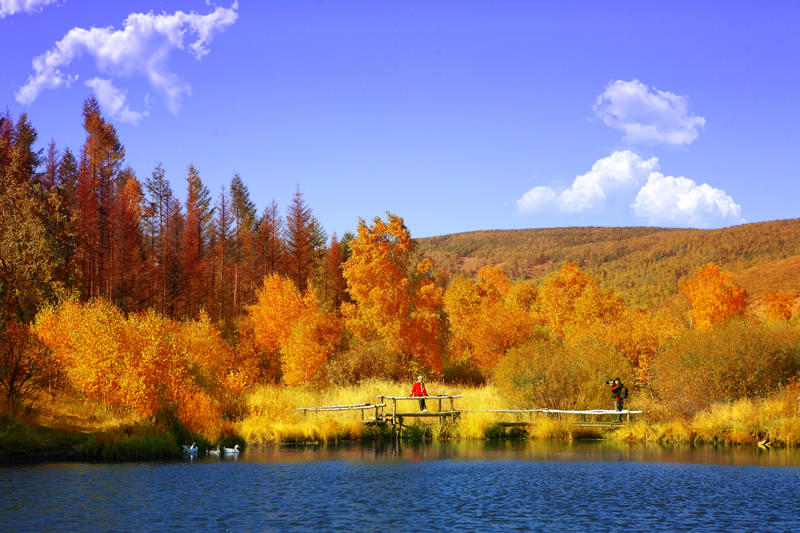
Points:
(645, 265)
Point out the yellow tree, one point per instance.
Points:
(292, 324)
(143, 361)
(713, 296)
(395, 298)
(488, 316)
(572, 298)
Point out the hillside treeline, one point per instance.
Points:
(645, 264)
(113, 290)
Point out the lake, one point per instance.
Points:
(524, 486)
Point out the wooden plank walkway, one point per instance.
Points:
(396, 418)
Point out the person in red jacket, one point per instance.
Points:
(418, 389)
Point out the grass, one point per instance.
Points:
(69, 428)
(273, 418)
(742, 422)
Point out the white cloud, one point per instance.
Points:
(12, 7)
(648, 117)
(535, 199)
(114, 101)
(141, 48)
(620, 170)
(681, 201)
(662, 200)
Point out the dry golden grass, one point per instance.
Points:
(274, 418)
(73, 413)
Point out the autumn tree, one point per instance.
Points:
(298, 239)
(143, 361)
(333, 283)
(291, 323)
(25, 367)
(101, 159)
(713, 296)
(271, 248)
(220, 244)
(395, 297)
(163, 229)
(571, 298)
(29, 226)
(488, 316)
(195, 242)
(243, 211)
(576, 308)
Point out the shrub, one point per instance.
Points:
(551, 374)
(733, 360)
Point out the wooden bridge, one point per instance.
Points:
(397, 417)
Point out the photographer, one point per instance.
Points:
(618, 393)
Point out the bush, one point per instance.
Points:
(363, 361)
(554, 375)
(733, 360)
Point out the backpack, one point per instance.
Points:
(623, 393)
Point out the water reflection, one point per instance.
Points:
(391, 450)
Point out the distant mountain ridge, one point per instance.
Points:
(644, 264)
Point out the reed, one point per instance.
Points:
(273, 418)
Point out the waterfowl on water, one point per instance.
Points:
(190, 450)
(213, 451)
(232, 451)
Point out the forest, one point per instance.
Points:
(115, 293)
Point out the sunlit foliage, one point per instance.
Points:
(293, 324)
(713, 296)
(395, 297)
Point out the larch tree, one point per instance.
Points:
(243, 254)
(130, 265)
(161, 209)
(488, 316)
(221, 237)
(195, 242)
(298, 239)
(101, 159)
(271, 248)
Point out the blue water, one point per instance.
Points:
(439, 487)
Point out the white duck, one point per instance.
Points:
(213, 451)
(190, 450)
(232, 451)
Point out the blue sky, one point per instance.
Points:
(457, 116)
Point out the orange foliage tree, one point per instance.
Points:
(780, 305)
(292, 323)
(394, 297)
(142, 361)
(488, 316)
(713, 296)
(571, 298)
